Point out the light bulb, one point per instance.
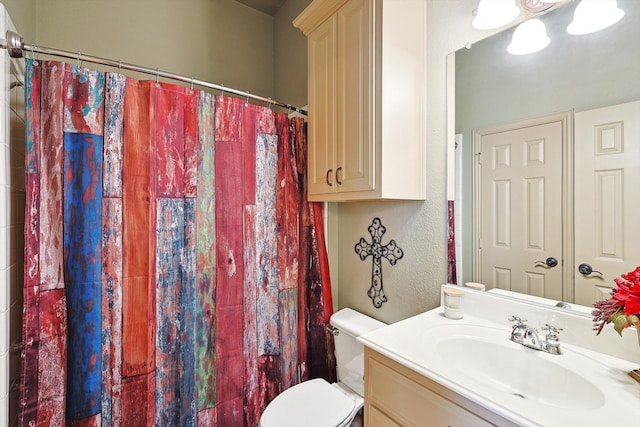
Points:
(495, 13)
(594, 15)
(529, 37)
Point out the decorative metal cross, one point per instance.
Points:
(390, 251)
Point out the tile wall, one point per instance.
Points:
(12, 203)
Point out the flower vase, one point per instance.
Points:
(635, 374)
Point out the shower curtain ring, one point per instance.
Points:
(270, 102)
(120, 65)
(191, 85)
(157, 77)
(78, 58)
(246, 101)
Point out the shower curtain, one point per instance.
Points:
(174, 272)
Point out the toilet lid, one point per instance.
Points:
(313, 403)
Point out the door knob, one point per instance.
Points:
(587, 270)
(549, 262)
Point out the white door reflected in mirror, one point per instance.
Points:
(607, 170)
(519, 177)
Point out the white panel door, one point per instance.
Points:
(607, 207)
(519, 202)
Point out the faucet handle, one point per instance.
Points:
(552, 329)
(552, 340)
(518, 330)
(518, 320)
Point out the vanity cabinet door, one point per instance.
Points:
(396, 395)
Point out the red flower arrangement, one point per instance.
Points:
(623, 308)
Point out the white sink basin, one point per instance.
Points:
(474, 358)
(487, 357)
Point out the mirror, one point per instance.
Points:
(576, 73)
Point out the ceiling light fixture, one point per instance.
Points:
(531, 35)
(495, 13)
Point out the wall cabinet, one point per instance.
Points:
(367, 99)
(397, 396)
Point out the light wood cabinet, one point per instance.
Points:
(398, 396)
(367, 99)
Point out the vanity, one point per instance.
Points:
(432, 370)
(400, 396)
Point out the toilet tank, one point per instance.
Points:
(349, 352)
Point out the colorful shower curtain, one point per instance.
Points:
(174, 273)
(451, 243)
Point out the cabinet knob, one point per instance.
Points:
(329, 183)
(338, 174)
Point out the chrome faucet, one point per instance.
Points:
(526, 335)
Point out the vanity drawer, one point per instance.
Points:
(396, 395)
(377, 418)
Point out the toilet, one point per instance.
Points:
(316, 403)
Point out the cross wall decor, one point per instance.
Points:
(377, 251)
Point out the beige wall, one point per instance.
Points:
(290, 61)
(23, 15)
(219, 41)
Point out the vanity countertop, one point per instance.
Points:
(602, 393)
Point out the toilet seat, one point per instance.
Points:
(313, 403)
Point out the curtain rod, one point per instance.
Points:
(15, 46)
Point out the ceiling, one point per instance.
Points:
(270, 7)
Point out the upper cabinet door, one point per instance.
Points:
(367, 99)
(354, 163)
(322, 106)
